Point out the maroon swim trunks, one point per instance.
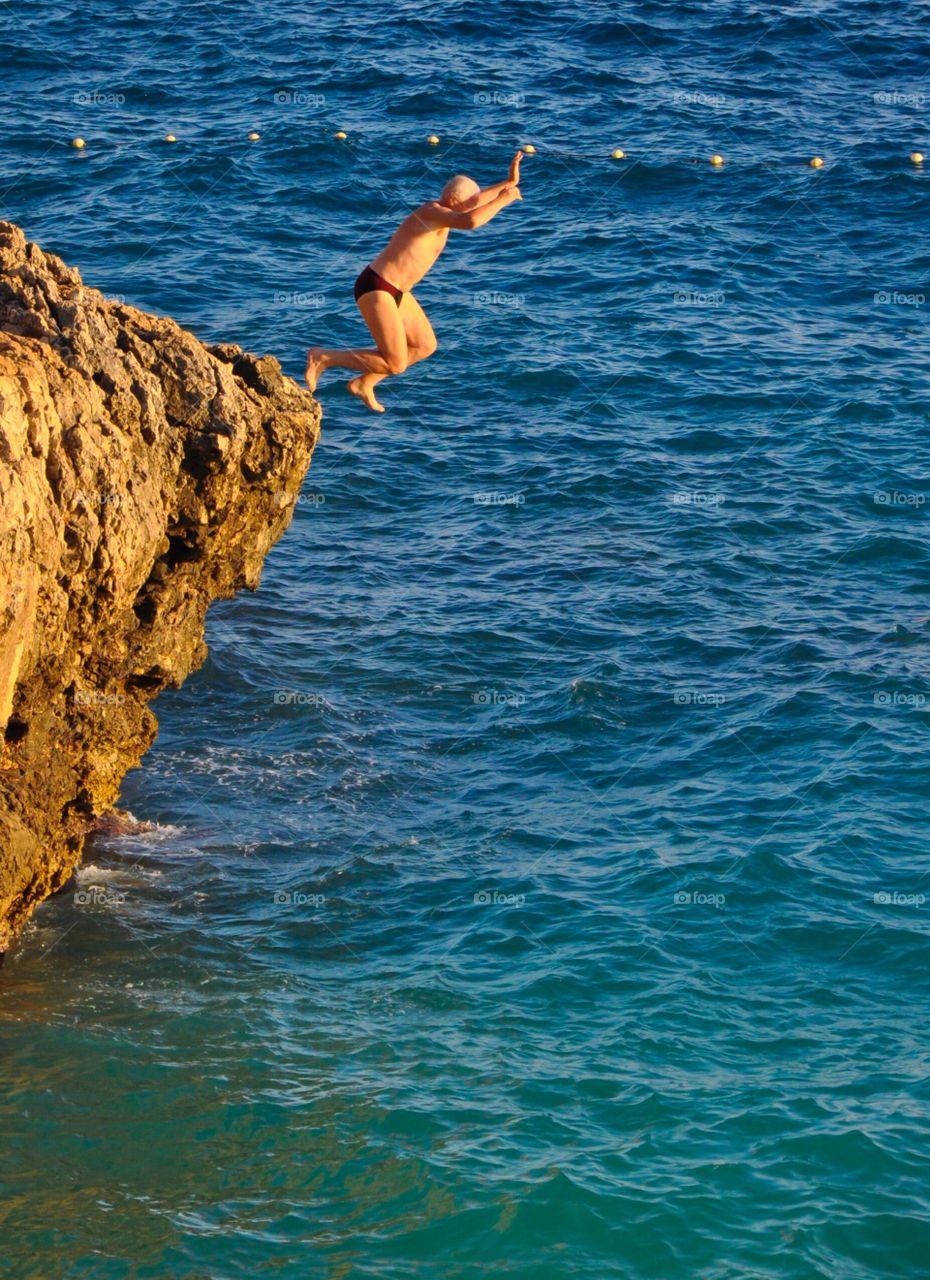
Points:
(369, 281)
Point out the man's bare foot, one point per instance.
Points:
(314, 366)
(364, 387)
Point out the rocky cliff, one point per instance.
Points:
(142, 475)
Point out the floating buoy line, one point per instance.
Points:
(716, 160)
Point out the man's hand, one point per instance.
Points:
(513, 180)
(512, 193)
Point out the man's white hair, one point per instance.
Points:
(459, 188)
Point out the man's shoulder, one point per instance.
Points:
(435, 216)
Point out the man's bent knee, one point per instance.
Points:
(422, 352)
(395, 364)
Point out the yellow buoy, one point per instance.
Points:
(169, 137)
(529, 149)
(433, 140)
(340, 135)
(816, 162)
(716, 161)
(916, 157)
(254, 137)
(78, 143)
(617, 154)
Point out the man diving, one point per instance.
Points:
(401, 332)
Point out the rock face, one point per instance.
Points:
(142, 475)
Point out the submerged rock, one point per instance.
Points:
(142, 475)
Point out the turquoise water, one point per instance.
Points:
(538, 885)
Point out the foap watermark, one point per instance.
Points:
(498, 898)
(294, 298)
(899, 98)
(498, 298)
(696, 498)
(894, 898)
(687, 98)
(498, 698)
(98, 98)
(97, 499)
(895, 298)
(97, 895)
(891, 698)
(299, 98)
(500, 98)
(698, 898)
(495, 499)
(697, 698)
(699, 298)
(97, 698)
(296, 898)
(895, 498)
(283, 498)
(297, 698)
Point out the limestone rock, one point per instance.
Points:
(142, 475)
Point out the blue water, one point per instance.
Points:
(539, 880)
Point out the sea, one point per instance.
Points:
(533, 882)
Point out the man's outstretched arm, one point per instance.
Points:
(512, 180)
(438, 215)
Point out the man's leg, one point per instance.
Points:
(421, 343)
(381, 314)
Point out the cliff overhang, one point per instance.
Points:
(143, 475)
